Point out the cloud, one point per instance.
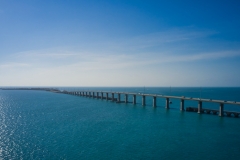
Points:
(45, 53)
(107, 61)
(14, 65)
(197, 57)
(124, 53)
(163, 39)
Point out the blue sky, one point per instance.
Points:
(119, 43)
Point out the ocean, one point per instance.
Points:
(46, 125)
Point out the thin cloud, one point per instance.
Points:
(160, 38)
(45, 53)
(119, 62)
(14, 65)
(200, 56)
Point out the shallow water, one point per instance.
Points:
(45, 125)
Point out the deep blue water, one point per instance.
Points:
(45, 125)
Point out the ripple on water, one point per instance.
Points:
(43, 125)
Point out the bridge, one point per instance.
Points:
(105, 95)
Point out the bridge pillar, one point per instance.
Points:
(199, 107)
(97, 95)
(154, 101)
(167, 103)
(101, 95)
(134, 99)
(143, 100)
(126, 98)
(93, 94)
(112, 96)
(221, 107)
(119, 97)
(182, 105)
(106, 96)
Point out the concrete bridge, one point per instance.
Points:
(199, 109)
(116, 97)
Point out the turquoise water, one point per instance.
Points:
(45, 125)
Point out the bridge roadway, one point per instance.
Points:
(221, 103)
(199, 109)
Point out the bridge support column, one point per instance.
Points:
(93, 94)
(167, 103)
(119, 97)
(126, 98)
(134, 99)
(112, 96)
(182, 105)
(101, 95)
(106, 96)
(221, 107)
(97, 95)
(143, 100)
(199, 107)
(154, 101)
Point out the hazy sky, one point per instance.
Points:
(119, 43)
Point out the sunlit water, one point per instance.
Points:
(45, 125)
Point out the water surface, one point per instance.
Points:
(45, 125)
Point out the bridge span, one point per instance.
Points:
(105, 95)
(111, 97)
